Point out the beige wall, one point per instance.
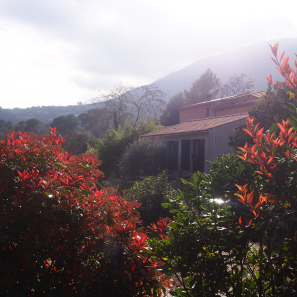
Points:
(219, 137)
(215, 144)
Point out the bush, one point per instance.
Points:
(110, 148)
(59, 235)
(245, 243)
(239, 245)
(151, 193)
(271, 110)
(77, 142)
(143, 157)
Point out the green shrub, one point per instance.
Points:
(144, 157)
(110, 148)
(151, 193)
(245, 247)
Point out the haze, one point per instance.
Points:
(63, 52)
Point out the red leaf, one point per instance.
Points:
(248, 132)
(282, 56)
(269, 78)
(274, 49)
(274, 61)
(259, 172)
(285, 62)
(240, 221)
(281, 128)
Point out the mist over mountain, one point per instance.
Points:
(254, 60)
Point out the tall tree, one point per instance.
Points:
(32, 125)
(237, 84)
(20, 126)
(115, 102)
(170, 115)
(65, 124)
(146, 101)
(204, 88)
(96, 121)
(124, 101)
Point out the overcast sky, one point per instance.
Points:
(60, 52)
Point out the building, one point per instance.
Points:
(220, 107)
(203, 131)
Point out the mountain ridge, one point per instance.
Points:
(254, 60)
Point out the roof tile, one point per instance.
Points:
(197, 125)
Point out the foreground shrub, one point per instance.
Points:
(151, 193)
(59, 235)
(243, 244)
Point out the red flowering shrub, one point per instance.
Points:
(223, 242)
(59, 235)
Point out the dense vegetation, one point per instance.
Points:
(243, 244)
(232, 233)
(112, 146)
(273, 109)
(151, 193)
(205, 88)
(60, 235)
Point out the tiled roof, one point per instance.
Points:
(256, 95)
(197, 125)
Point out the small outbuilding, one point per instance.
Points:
(203, 131)
(191, 143)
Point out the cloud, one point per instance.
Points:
(84, 44)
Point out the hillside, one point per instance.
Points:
(44, 113)
(254, 60)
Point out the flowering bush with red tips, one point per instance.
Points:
(289, 74)
(60, 235)
(223, 242)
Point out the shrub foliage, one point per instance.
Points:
(143, 157)
(110, 148)
(59, 235)
(245, 243)
(151, 193)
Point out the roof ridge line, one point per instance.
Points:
(222, 99)
(225, 116)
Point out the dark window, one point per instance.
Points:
(173, 154)
(185, 155)
(207, 111)
(198, 155)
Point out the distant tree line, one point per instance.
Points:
(207, 87)
(124, 113)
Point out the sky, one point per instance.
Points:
(61, 52)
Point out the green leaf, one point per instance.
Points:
(173, 225)
(173, 210)
(273, 128)
(195, 178)
(60, 165)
